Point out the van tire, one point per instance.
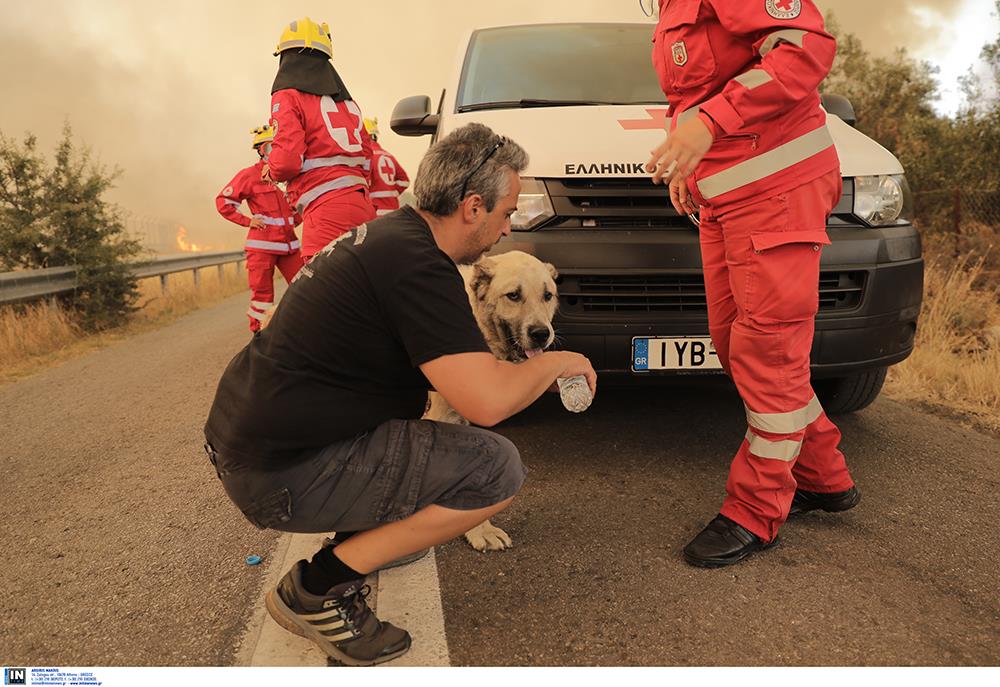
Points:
(842, 395)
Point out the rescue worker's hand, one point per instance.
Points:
(680, 152)
(257, 223)
(265, 174)
(681, 197)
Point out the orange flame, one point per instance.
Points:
(185, 245)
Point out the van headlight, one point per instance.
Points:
(533, 206)
(881, 200)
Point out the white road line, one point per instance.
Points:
(409, 597)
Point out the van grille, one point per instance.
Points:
(682, 293)
(612, 203)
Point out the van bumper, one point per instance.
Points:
(871, 290)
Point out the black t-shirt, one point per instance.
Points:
(341, 354)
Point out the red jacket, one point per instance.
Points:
(750, 70)
(266, 201)
(320, 146)
(389, 179)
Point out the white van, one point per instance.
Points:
(585, 103)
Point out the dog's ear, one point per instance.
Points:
(552, 270)
(482, 276)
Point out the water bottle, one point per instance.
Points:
(575, 393)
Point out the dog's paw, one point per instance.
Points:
(486, 537)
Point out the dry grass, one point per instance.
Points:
(956, 360)
(36, 336)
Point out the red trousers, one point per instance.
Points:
(761, 266)
(330, 216)
(260, 270)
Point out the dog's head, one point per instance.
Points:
(514, 299)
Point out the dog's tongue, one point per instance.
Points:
(532, 352)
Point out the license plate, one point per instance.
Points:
(674, 353)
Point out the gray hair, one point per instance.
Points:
(449, 161)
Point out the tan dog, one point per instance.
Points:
(513, 296)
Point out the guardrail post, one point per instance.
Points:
(197, 277)
(239, 267)
(222, 273)
(163, 283)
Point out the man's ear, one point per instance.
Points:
(482, 277)
(552, 270)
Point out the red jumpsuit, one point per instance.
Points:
(750, 71)
(322, 150)
(389, 179)
(273, 245)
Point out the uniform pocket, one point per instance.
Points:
(271, 510)
(685, 47)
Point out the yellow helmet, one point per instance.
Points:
(371, 126)
(305, 33)
(262, 134)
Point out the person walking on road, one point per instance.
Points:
(749, 148)
(320, 144)
(316, 425)
(389, 179)
(271, 241)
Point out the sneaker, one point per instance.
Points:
(402, 560)
(805, 501)
(339, 622)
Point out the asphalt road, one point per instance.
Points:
(123, 550)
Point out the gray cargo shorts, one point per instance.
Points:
(383, 475)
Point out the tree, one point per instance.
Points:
(57, 215)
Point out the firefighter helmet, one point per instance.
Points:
(305, 33)
(262, 134)
(371, 126)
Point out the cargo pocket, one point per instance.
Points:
(271, 510)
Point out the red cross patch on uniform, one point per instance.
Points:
(680, 53)
(783, 9)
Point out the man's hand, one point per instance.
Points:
(680, 152)
(257, 223)
(265, 174)
(573, 365)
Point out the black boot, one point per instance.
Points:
(723, 542)
(805, 501)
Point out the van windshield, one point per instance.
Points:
(559, 64)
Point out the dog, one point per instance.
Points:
(514, 298)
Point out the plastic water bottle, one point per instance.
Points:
(575, 393)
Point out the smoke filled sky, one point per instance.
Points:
(169, 91)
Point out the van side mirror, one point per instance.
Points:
(412, 117)
(840, 106)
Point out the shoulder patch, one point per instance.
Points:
(227, 191)
(274, 110)
(783, 9)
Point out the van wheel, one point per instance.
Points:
(840, 395)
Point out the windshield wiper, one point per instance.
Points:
(538, 102)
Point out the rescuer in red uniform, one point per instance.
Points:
(320, 144)
(271, 241)
(749, 148)
(389, 179)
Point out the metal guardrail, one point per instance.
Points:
(28, 285)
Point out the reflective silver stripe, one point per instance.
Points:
(766, 164)
(793, 36)
(382, 211)
(776, 450)
(384, 194)
(346, 160)
(266, 245)
(315, 192)
(753, 78)
(274, 220)
(402, 184)
(688, 114)
(234, 203)
(786, 423)
(256, 315)
(261, 305)
(295, 245)
(291, 44)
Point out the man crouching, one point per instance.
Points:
(315, 425)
